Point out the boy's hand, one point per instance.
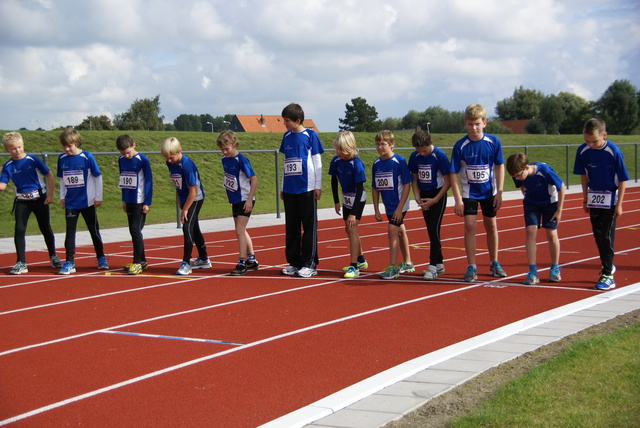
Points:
(48, 200)
(351, 221)
(62, 203)
(248, 206)
(617, 212)
(337, 208)
(145, 209)
(124, 207)
(378, 216)
(497, 201)
(183, 216)
(459, 209)
(557, 217)
(397, 215)
(97, 203)
(317, 194)
(425, 204)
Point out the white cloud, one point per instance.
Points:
(65, 60)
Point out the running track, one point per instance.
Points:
(213, 350)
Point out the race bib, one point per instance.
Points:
(31, 195)
(176, 179)
(384, 180)
(477, 174)
(73, 178)
(230, 182)
(348, 200)
(128, 180)
(425, 174)
(293, 166)
(599, 199)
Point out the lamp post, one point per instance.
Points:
(226, 122)
(209, 123)
(428, 123)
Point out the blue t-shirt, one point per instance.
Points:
(604, 167)
(135, 180)
(301, 175)
(474, 161)
(26, 174)
(81, 181)
(430, 169)
(183, 175)
(237, 171)
(389, 178)
(541, 187)
(349, 173)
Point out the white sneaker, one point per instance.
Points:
(201, 264)
(289, 271)
(184, 269)
(307, 272)
(431, 273)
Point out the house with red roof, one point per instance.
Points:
(263, 123)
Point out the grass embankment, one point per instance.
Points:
(163, 207)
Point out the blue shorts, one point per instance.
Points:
(540, 215)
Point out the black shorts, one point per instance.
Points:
(390, 217)
(540, 215)
(346, 212)
(471, 206)
(238, 209)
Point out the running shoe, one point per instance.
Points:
(351, 272)
(201, 264)
(67, 268)
(144, 266)
(471, 274)
(532, 278)
(605, 283)
(252, 264)
(55, 262)
(134, 269)
(496, 270)
(361, 266)
(306, 272)
(554, 274)
(184, 269)
(405, 267)
(439, 269)
(19, 268)
(289, 270)
(431, 273)
(391, 272)
(102, 263)
(240, 269)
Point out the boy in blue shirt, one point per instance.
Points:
(186, 179)
(543, 200)
(241, 183)
(477, 160)
(80, 194)
(603, 176)
(347, 169)
(26, 172)
(136, 183)
(392, 181)
(301, 189)
(430, 169)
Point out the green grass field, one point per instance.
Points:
(163, 208)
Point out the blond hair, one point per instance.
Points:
(386, 136)
(345, 142)
(70, 137)
(11, 138)
(227, 138)
(475, 111)
(170, 146)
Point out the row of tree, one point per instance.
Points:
(563, 113)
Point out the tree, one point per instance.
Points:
(524, 104)
(359, 117)
(618, 107)
(576, 113)
(142, 115)
(551, 114)
(535, 126)
(412, 120)
(391, 123)
(188, 122)
(96, 123)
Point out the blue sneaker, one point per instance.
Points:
(184, 269)
(554, 274)
(102, 263)
(67, 268)
(471, 274)
(605, 283)
(532, 278)
(496, 270)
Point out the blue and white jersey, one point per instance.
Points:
(430, 169)
(27, 175)
(474, 161)
(542, 186)
(237, 171)
(349, 173)
(389, 178)
(185, 174)
(302, 161)
(80, 180)
(604, 167)
(135, 180)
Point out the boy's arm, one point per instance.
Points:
(193, 190)
(2, 186)
(334, 192)
(98, 199)
(317, 164)
(50, 189)
(457, 198)
(63, 192)
(375, 196)
(585, 192)
(558, 215)
(416, 189)
(248, 204)
(499, 171)
(618, 209)
(397, 214)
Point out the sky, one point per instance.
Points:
(64, 60)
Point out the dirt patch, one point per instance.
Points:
(440, 410)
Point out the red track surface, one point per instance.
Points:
(265, 344)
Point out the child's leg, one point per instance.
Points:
(393, 233)
(41, 211)
(309, 215)
(293, 235)
(604, 227)
(22, 213)
(136, 219)
(491, 228)
(530, 243)
(71, 217)
(404, 244)
(433, 220)
(91, 219)
(245, 245)
(355, 245)
(554, 245)
(470, 222)
(196, 237)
